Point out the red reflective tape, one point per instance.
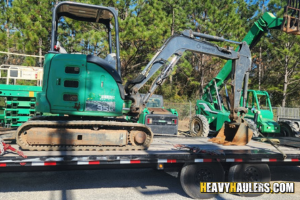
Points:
(49, 163)
(295, 159)
(207, 160)
(2, 164)
(94, 162)
(171, 161)
(272, 160)
(135, 161)
(238, 160)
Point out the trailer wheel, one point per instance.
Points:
(199, 126)
(249, 173)
(294, 126)
(192, 174)
(297, 125)
(286, 129)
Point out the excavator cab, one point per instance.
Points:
(291, 18)
(79, 84)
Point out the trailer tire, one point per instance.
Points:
(297, 125)
(294, 126)
(249, 173)
(192, 174)
(199, 126)
(286, 129)
(252, 126)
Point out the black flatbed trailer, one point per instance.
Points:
(184, 154)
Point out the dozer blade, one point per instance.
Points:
(233, 133)
(291, 18)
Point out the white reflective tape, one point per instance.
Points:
(80, 159)
(288, 160)
(198, 160)
(230, 160)
(37, 163)
(124, 161)
(25, 160)
(58, 159)
(162, 160)
(265, 160)
(82, 162)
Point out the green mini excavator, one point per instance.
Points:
(88, 90)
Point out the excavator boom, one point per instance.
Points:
(237, 131)
(171, 51)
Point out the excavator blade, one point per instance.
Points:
(291, 18)
(234, 133)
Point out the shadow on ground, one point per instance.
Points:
(145, 181)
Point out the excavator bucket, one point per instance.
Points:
(291, 18)
(234, 133)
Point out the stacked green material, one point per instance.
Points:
(20, 102)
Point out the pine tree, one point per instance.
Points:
(219, 18)
(281, 70)
(32, 18)
(5, 27)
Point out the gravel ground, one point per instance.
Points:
(115, 184)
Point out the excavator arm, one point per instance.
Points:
(171, 51)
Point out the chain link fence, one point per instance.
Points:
(185, 110)
(290, 113)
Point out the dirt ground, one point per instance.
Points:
(183, 125)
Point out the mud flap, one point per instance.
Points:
(233, 133)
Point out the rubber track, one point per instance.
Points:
(80, 124)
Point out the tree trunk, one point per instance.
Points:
(40, 51)
(172, 33)
(285, 84)
(7, 44)
(173, 21)
(201, 69)
(7, 35)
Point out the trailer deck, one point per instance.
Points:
(162, 150)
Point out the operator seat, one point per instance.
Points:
(110, 69)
